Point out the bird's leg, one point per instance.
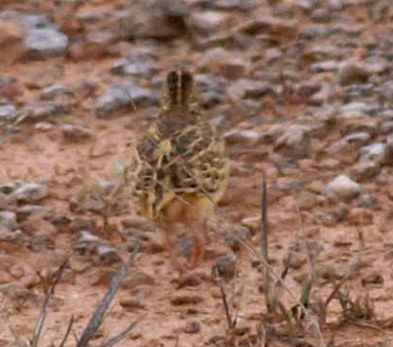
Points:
(169, 245)
(198, 250)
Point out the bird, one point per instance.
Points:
(179, 169)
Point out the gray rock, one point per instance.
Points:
(225, 266)
(136, 66)
(38, 112)
(46, 42)
(98, 44)
(42, 35)
(86, 242)
(342, 188)
(107, 255)
(136, 222)
(386, 127)
(7, 235)
(358, 137)
(321, 15)
(123, 94)
(308, 89)
(295, 260)
(270, 26)
(233, 236)
(326, 93)
(8, 187)
(8, 112)
(355, 91)
(367, 201)
(357, 106)
(193, 327)
(295, 141)
(17, 292)
(223, 62)
(75, 133)
(354, 72)
(30, 192)
(365, 169)
(206, 22)
(386, 90)
(374, 152)
(387, 114)
(211, 88)
(33, 21)
(160, 20)
(190, 279)
(389, 150)
(43, 126)
(138, 278)
(307, 5)
(87, 236)
(313, 31)
(247, 88)
(78, 224)
(131, 304)
(30, 209)
(372, 279)
(51, 92)
(186, 298)
(233, 5)
(243, 137)
(326, 66)
(8, 219)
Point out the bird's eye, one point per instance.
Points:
(128, 144)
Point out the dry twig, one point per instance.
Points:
(49, 287)
(68, 331)
(117, 338)
(265, 249)
(98, 316)
(231, 322)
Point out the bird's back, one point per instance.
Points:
(180, 169)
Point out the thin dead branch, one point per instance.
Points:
(264, 229)
(306, 290)
(335, 290)
(50, 284)
(68, 331)
(98, 316)
(262, 335)
(117, 338)
(107, 210)
(230, 321)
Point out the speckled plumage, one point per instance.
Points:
(181, 157)
(179, 170)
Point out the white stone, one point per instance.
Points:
(343, 188)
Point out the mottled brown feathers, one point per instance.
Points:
(181, 158)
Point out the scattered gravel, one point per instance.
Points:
(123, 94)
